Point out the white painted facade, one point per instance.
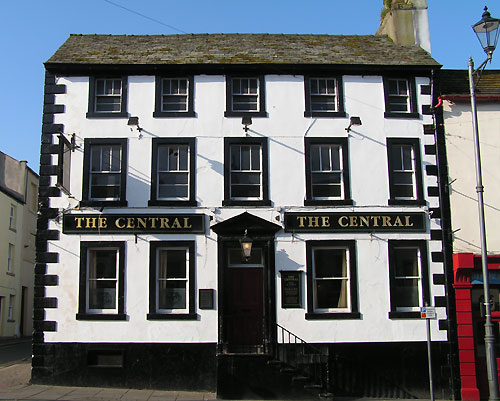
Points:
(285, 127)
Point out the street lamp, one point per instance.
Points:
(487, 32)
(246, 246)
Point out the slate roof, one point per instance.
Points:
(246, 49)
(456, 83)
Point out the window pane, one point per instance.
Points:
(253, 86)
(245, 178)
(327, 191)
(172, 178)
(331, 294)
(402, 191)
(163, 157)
(245, 191)
(173, 158)
(255, 158)
(172, 191)
(406, 262)
(405, 293)
(396, 160)
(102, 294)
(95, 158)
(401, 178)
(235, 158)
(172, 263)
(325, 158)
(105, 179)
(172, 294)
(330, 263)
(326, 178)
(245, 158)
(407, 157)
(99, 87)
(315, 158)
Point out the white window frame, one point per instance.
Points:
(418, 278)
(88, 280)
(10, 310)
(347, 278)
(243, 171)
(174, 95)
(12, 217)
(173, 171)
(105, 95)
(398, 95)
(236, 90)
(326, 95)
(331, 170)
(186, 280)
(10, 258)
(92, 173)
(404, 170)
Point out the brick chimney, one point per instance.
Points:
(406, 22)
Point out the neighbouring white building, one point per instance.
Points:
(163, 155)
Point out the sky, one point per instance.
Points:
(32, 30)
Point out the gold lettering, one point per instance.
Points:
(398, 222)
(353, 221)
(141, 222)
(130, 222)
(164, 222)
(117, 222)
(407, 222)
(313, 221)
(301, 220)
(79, 221)
(186, 223)
(386, 221)
(375, 220)
(90, 222)
(364, 221)
(103, 222)
(176, 223)
(341, 221)
(325, 221)
(153, 221)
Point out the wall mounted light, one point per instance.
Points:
(246, 246)
(246, 121)
(134, 121)
(353, 121)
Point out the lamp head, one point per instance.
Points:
(487, 30)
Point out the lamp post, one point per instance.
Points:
(487, 32)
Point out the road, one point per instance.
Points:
(13, 351)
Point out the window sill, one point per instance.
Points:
(12, 229)
(325, 114)
(401, 115)
(154, 202)
(122, 114)
(402, 202)
(333, 316)
(10, 274)
(11, 321)
(326, 202)
(228, 113)
(101, 316)
(173, 114)
(103, 203)
(404, 315)
(172, 316)
(230, 202)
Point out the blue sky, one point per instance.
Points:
(32, 30)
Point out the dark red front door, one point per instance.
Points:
(244, 300)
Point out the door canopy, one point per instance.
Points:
(255, 226)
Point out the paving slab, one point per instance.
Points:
(54, 393)
(137, 395)
(191, 396)
(82, 393)
(24, 393)
(159, 395)
(110, 394)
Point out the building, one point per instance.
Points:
(464, 215)
(163, 155)
(18, 211)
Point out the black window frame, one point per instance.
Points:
(344, 144)
(191, 143)
(418, 199)
(261, 96)
(412, 98)
(339, 97)
(154, 314)
(83, 313)
(424, 277)
(349, 245)
(158, 112)
(91, 113)
(64, 167)
(262, 142)
(88, 143)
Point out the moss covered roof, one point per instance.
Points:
(246, 49)
(456, 82)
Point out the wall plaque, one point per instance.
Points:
(206, 298)
(354, 222)
(133, 223)
(291, 289)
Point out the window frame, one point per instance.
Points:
(158, 112)
(11, 253)
(350, 247)
(91, 113)
(154, 312)
(228, 200)
(10, 309)
(424, 290)
(339, 97)
(83, 311)
(191, 201)
(418, 198)
(261, 95)
(346, 187)
(412, 98)
(13, 217)
(88, 144)
(64, 168)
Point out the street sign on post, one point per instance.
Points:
(428, 312)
